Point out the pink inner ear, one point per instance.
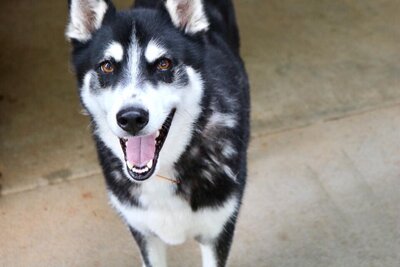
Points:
(86, 17)
(188, 15)
(183, 11)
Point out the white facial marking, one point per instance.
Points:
(86, 16)
(100, 105)
(114, 51)
(133, 61)
(154, 51)
(188, 110)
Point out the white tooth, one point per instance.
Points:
(150, 164)
(158, 134)
(138, 170)
(146, 169)
(130, 166)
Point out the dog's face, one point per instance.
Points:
(139, 79)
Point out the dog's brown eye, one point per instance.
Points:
(164, 64)
(107, 67)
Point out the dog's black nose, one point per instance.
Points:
(132, 120)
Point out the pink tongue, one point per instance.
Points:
(140, 150)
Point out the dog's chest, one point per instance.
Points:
(171, 218)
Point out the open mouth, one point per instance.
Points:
(141, 152)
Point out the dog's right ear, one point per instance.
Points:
(188, 15)
(85, 17)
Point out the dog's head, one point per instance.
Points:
(139, 79)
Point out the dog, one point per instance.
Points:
(168, 98)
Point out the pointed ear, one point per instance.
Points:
(188, 15)
(85, 17)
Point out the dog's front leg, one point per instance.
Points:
(152, 249)
(208, 255)
(215, 253)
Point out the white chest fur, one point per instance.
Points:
(171, 218)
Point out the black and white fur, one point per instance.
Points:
(207, 141)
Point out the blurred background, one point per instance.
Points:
(324, 160)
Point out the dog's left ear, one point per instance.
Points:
(85, 17)
(188, 15)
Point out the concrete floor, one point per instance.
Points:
(324, 187)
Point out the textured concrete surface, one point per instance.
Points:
(318, 59)
(324, 166)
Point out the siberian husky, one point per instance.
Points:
(167, 93)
